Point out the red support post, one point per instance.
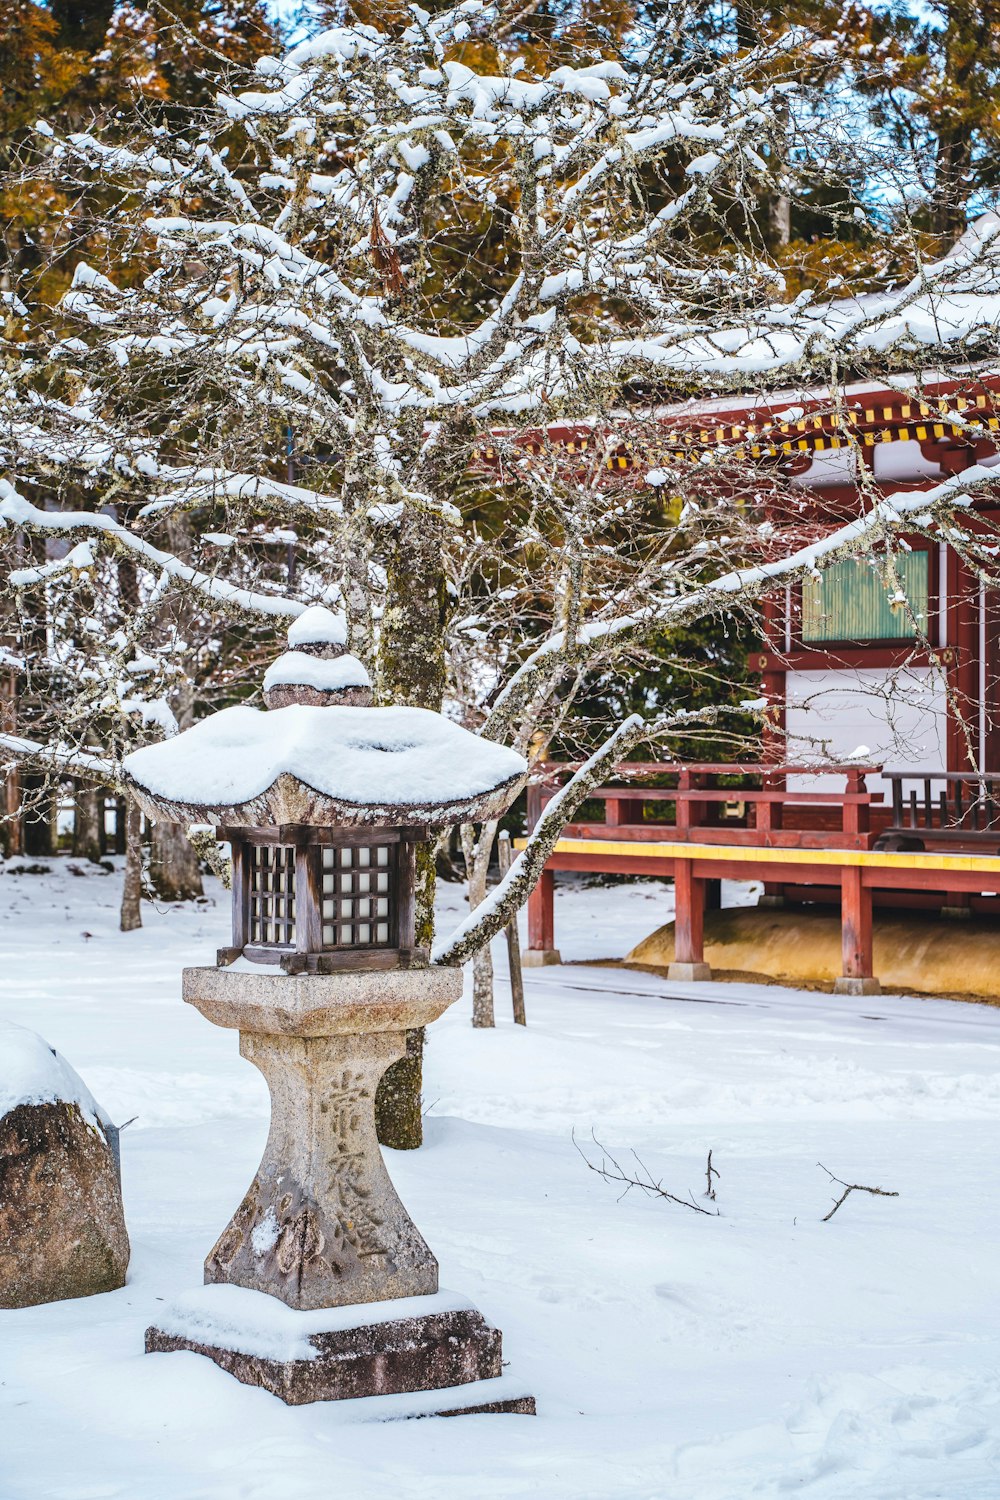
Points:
(856, 819)
(856, 935)
(689, 924)
(541, 947)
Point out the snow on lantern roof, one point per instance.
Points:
(324, 766)
(318, 625)
(295, 668)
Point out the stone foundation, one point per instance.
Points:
(539, 958)
(438, 1345)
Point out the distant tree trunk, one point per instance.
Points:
(39, 816)
(477, 864)
(87, 823)
(173, 865)
(948, 207)
(131, 913)
(482, 963)
(11, 830)
(780, 212)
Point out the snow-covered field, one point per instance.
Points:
(674, 1356)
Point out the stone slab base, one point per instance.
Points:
(438, 1347)
(538, 958)
(689, 971)
(846, 986)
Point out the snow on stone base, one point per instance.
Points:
(248, 1322)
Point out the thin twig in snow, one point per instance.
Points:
(849, 1188)
(612, 1171)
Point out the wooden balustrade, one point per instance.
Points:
(754, 807)
(953, 809)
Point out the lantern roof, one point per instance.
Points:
(324, 766)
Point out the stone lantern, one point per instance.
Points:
(321, 1287)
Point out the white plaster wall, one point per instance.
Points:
(899, 715)
(904, 460)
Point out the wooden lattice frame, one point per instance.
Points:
(319, 899)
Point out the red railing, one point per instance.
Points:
(954, 810)
(755, 806)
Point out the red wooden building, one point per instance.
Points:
(902, 693)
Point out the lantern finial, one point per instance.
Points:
(318, 670)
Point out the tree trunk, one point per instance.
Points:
(174, 872)
(131, 913)
(11, 829)
(411, 670)
(477, 863)
(121, 820)
(954, 160)
(398, 1119)
(87, 823)
(173, 866)
(482, 988)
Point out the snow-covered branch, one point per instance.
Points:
(64, 761)
(16, 511)
(506, 899)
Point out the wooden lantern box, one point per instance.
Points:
(316, 900)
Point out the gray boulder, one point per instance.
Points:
(62, 1227)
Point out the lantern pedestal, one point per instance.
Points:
(321, 1227)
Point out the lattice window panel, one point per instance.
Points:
(851, 601)
(358, 909)
(272, 895)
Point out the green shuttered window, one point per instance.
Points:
(850, 602)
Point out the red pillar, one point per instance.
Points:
(856, 935)
(689, 924)
(541, 947)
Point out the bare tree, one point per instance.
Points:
(339, 318)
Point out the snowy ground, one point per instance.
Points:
(674, 1357)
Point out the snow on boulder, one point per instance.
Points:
(62, 1227)
(325, 766)
(299, 678)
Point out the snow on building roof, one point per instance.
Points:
(325, 766)
(32, 1072)
(318, 625)
(295, 668)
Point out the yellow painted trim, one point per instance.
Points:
(741, 854)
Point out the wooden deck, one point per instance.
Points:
(810, 845)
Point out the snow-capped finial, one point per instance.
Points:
(319, 631)
(318, 670)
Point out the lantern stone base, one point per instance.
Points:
(321, 1287)
(321, 1224)
(379, 1357)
